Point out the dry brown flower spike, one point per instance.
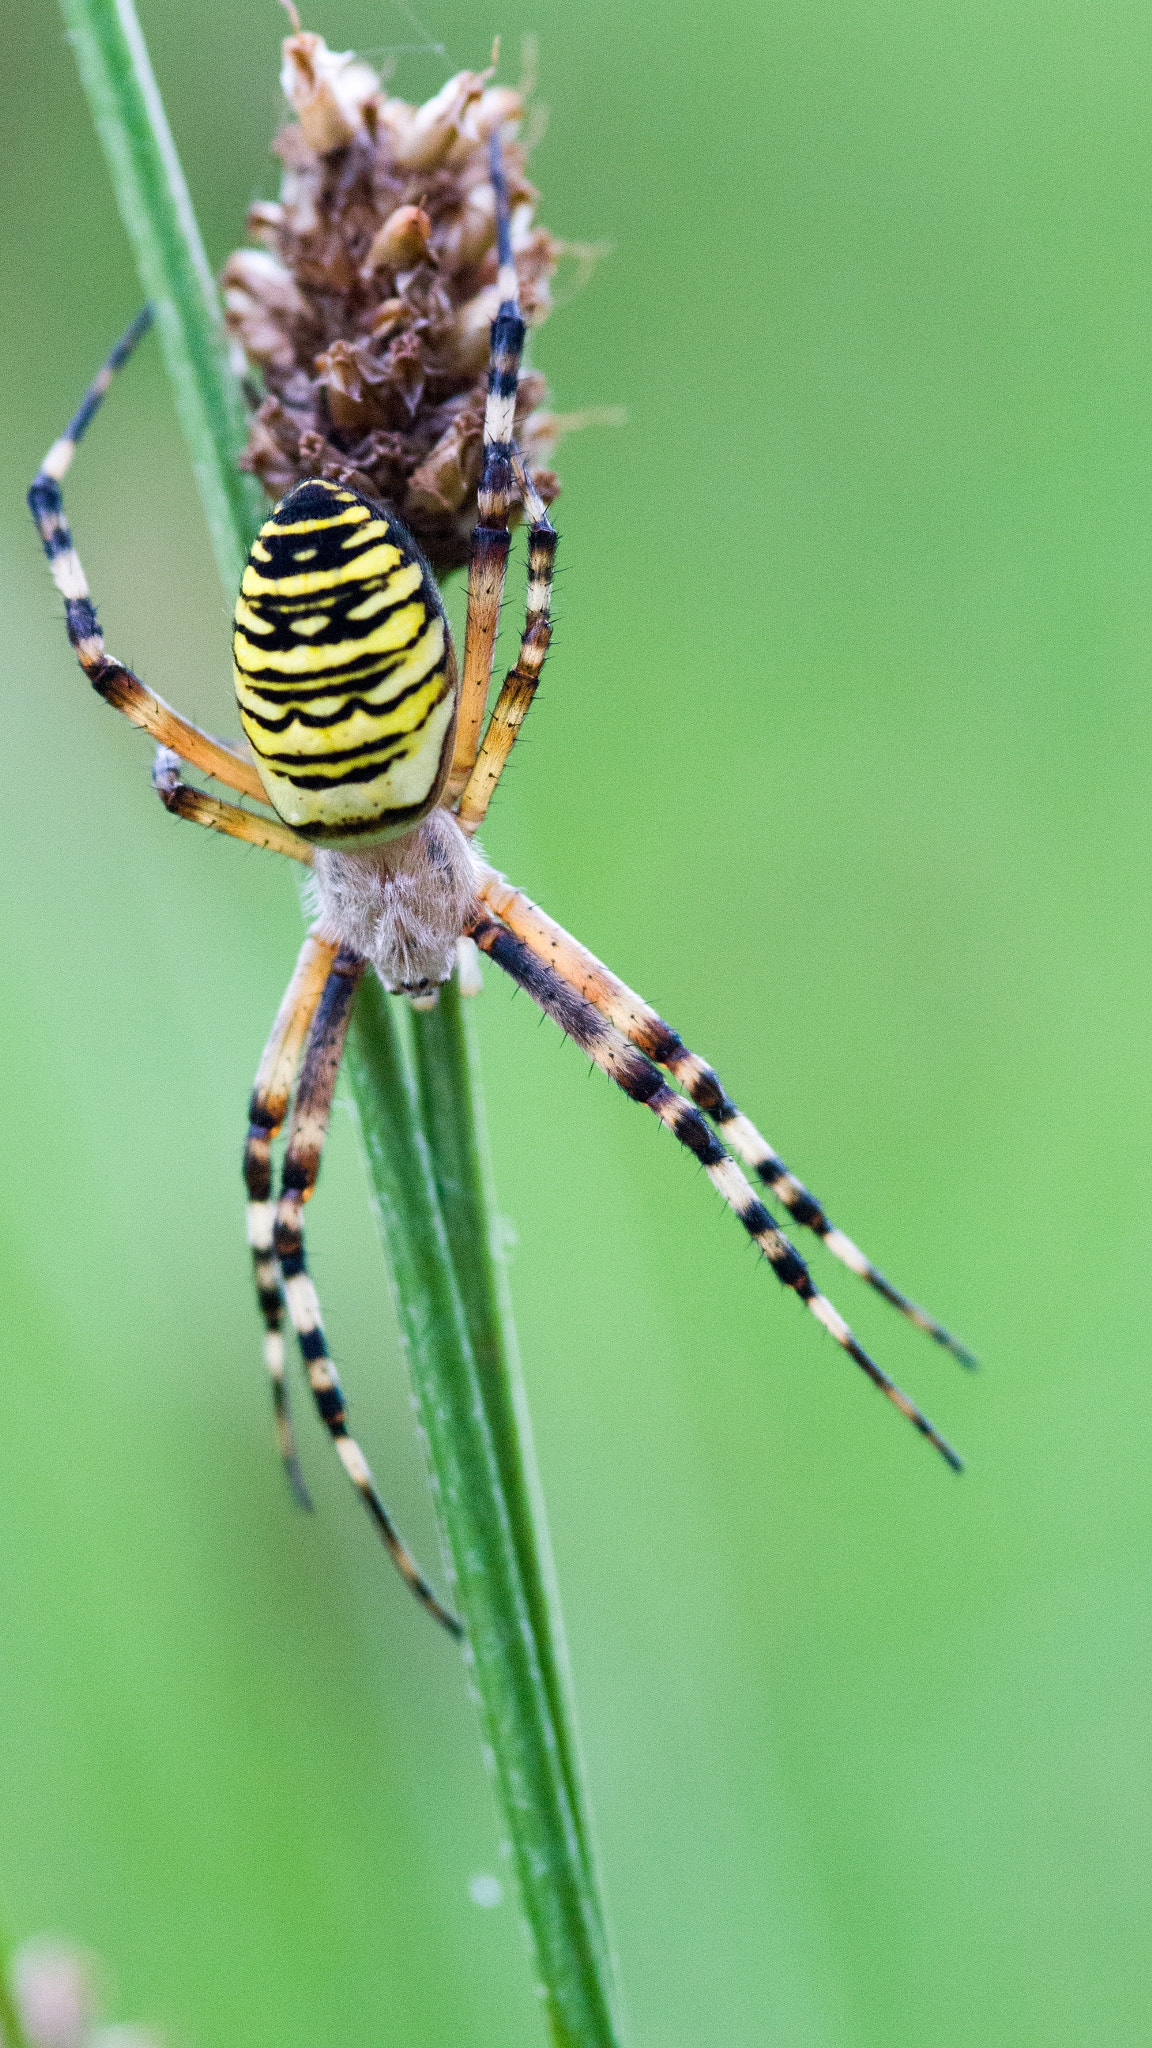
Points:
(368, 306)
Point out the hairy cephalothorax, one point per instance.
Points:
(367, 742)
(402, 905)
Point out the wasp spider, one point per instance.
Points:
(371, 750)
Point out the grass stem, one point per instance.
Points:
(12, 2033)
(452, 1111)
(531, 1752)
(157, 212)
(430, 1185)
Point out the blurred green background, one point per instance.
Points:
(842, 758)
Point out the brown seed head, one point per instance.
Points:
(367, 306)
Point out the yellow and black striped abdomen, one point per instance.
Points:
(345, 673)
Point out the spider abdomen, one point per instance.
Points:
(344, 668)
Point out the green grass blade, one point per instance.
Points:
(475, 1432)
(520, 1724)
(452, 1111)
(12, 2033)
(157, 212)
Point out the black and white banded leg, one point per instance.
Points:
(632, 1071)
(519, 685)
(488, 560)
(115, 683)
(309, 1125)
(269, 1105)
(645, 1028)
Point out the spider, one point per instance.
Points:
(371, 750)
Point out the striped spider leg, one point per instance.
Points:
(488, 557)
(476, 770)
(621, 1057)
(647, 1030)
(624, 1037)
(519, 685)
(112, 681)
(271, 1093)
(309, 1126)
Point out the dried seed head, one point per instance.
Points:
(368, 304)
(328, 90)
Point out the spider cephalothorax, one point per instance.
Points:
(366, 743)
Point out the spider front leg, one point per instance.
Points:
(519, 686)
(488, 561)
(645, 1028)
(115, 683)
(306, 1136)
(632, 1071)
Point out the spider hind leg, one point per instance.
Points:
(314, 1093)
(270, 1096)
(635, 1073)
(646, 1029)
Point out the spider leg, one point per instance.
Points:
(490, 539)
(278, 1246)
(115, 683)
(309, 1125)
(648, 1030)
(270, 1095)
(632, 1071)
(185, 802)
(519, 686)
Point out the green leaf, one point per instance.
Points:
(430, 1185)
